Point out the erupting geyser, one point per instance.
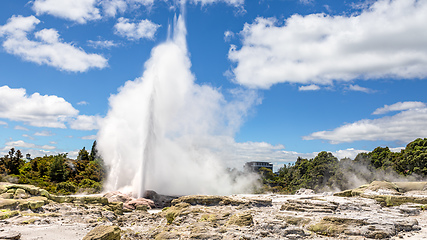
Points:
(156, 134)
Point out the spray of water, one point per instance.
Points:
(156, 134)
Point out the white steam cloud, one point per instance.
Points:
(152, 135)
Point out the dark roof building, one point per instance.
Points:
(255, 166)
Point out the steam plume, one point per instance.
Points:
(154, 135)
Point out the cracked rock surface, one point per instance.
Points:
(269, 216)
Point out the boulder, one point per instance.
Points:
(21, 194)
(11, 235)
(304, 191)
(8, 214)
(104, 233)
(139, 203)
(117, 196)
(243, 219)
(8, 203)
(160, 201)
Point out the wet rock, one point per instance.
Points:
(104, 233)
(294, 233)
(11, 235)
(160, 201)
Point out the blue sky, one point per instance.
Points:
(339, 76)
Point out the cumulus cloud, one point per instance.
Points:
(85, 122)
(399, 106)
(113, 7)
(237, 154)
(79, 11)
(35, 110)
(48, 48)
(21, 144)
(385, 40)
(407, 125)
(3, 123)
(31, 148)
(312, 87)
(135, 30)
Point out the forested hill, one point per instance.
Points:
(326, 173)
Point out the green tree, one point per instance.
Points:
(57, 168)
(414, 158)
(13, 161)
(82, 160)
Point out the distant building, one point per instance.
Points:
(28, 156)
(255, 166)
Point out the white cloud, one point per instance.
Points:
(102, 44)
(28, 136)
(405, 126)
(112, 7)
(230, 2)
(33, 149)
(17, 127)
(90, 137)
(306, 1)
(82, 103)
(400, 106)
(21, 144)
(73, 154)
(3, 123)
(79, 11)
(386, 40)
(135, 31)
(358, 88)
(49, 49)
(312, 87)
(228, 35)
(44, 134)
(35, 110)
(85, 122)
(236, 154)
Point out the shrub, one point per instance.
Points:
(88, 183)
(66, 188)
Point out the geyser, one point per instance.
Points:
(158, 129)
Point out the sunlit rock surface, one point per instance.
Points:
(366, 212)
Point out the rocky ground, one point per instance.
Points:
(381, 210)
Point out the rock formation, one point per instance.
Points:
(378, 210)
